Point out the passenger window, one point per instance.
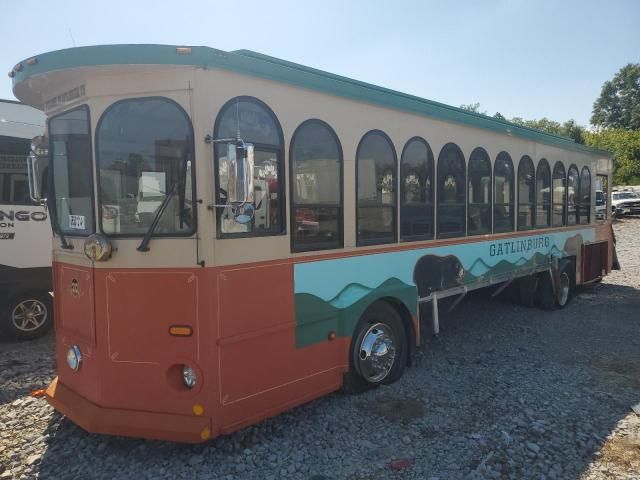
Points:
(503, 180)
(584, 205)
(526, 193)
(255, 123)
(479, 209)
(316, 185)
(376, 192)
(451, 192)
(573, 180)
(559, 195)
(416, 191)
(543, 194)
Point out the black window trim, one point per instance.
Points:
(429, 204)
(581, 203)
(549, 224)
(553, 196)
(279, 150)
(512, 194)
(52, 205)
(292, 207)
(393, 206)
(194, 228)
(576, 197)
(520, 228)
(479, 150)
(440, 236)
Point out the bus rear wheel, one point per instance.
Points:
(552, 297)
(28, 315)
(379, 349)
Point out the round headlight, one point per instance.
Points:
(40, 146)
(189, 376)
(97, 247)
(74, 358)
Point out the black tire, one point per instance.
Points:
(527, 290)
(380, 313)
(553, 299)
(38, 306)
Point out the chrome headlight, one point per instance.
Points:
(97, 247)
(74, 358)
(189, 376)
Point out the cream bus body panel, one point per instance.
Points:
(203, 92)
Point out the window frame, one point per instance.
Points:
(576, 196)
(553, 195)
(393, 206)
(512, 194)
(581, 203)
(279, 150)
(194, 228)
(487, 158)
(438, 189)
(293, 205)
(541, 162)
(520, 228)
(50, 183)
(429, 203)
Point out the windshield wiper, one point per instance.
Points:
(144, 244)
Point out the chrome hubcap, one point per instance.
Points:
(376, 353)
(29, 315)
(565, 285)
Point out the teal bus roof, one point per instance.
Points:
(264, 66)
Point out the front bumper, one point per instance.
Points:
(130, 423)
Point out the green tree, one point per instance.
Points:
(625, 146)
(619, 103)
(473, 107)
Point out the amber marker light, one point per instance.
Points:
(183, 50)
(198, 409)
(205, 434)
(180, 331)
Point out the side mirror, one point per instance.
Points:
(240, 174)
(36, 163)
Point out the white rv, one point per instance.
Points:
(25, 231)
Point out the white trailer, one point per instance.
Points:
(25, 231)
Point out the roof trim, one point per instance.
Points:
(259, 65)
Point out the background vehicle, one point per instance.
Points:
(25, 232)
(625, 203)
(297, 225)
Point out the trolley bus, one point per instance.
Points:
(236, 235)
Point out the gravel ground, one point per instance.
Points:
(503, 392)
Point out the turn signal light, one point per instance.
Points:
(181, 331)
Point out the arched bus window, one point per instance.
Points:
(559, 195)
(316, 186)
(479, 195)
(375, 189)
(526, 193)
(416, 190)
(584, 204)
(256, 123)
(503, 193)
(452, 187)
(573, 180)
(543, 194)
(144, 156)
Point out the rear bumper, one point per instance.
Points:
(130, 423)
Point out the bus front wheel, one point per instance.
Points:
(379, 349)
(28, 315)
(552, 297)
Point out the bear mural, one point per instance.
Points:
(433, 273)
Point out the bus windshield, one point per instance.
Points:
(144, 155)
(72, 172)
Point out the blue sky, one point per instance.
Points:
(526, 58)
